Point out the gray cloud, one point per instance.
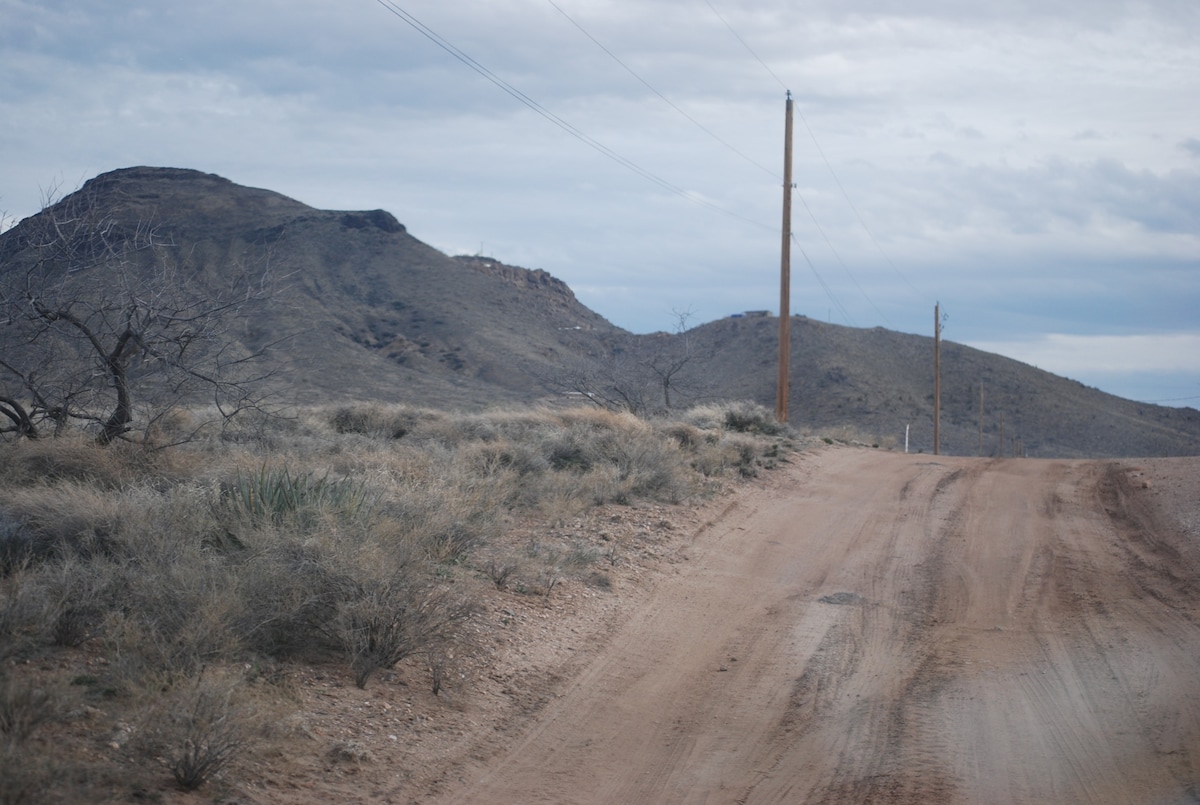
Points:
(1031, 165)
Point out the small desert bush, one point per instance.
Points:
(25, 772)
(208, 735)
(26, 613)
(71, 517)
(395, 614)
(200, 726)
(26, 775)
(854, 436)
(288, 595)
(738, 417)
(731, 453)
(393, 421)
(23, 708)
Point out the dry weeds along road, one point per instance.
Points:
(873, 627)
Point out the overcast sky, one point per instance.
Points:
(1033, 165)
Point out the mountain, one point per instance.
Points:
(369, 312)
(878, 381)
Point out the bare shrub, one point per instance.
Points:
(743, 416)
(581, 556)
(383, 422)
(82, 596)
(500, 570)
(26, 613)
(594, 457)
(442, 508)
(23, 708)
(288, 595)
(745, 454)
(687, 436)
(16, 543)
(394, 615)
(750, 417)
(177, 616)
(198, 728)
(25, 775)
(447, 661)
(520, 459)
(546, 580)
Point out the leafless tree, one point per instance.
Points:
(101, 324)
(638, 373)
(669, 361)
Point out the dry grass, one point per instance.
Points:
(350, 537)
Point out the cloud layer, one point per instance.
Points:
(1034, 167)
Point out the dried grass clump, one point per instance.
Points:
(69, 518)
(379, 421)
(741, 416)
(27, 613)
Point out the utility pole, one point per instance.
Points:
(937, 379)
(785, 275)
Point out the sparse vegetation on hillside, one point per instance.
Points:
(162, 596)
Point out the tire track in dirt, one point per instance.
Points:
(894, 621)
(884, 628)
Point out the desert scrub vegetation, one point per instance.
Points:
(349, 537)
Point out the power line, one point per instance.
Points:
(746, 46)
(766, 170)
(821, 152)
(837, 255)
(509, 89)
(664, 98)
(850, 203)
(1172, 399)
(824, 286)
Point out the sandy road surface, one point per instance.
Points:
(886, 628)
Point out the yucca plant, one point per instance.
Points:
(273, 493)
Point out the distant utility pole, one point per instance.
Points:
(785, 275)
(937, 379)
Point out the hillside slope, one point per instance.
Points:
(366, 311)
(878, 381)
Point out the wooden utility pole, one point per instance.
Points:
(937, 379)
(785, 275)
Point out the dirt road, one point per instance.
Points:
(875, 627)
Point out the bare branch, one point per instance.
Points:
(100, 325)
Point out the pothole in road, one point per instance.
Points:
(841, 599)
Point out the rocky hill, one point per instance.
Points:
(878, 381)
(366, 311)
